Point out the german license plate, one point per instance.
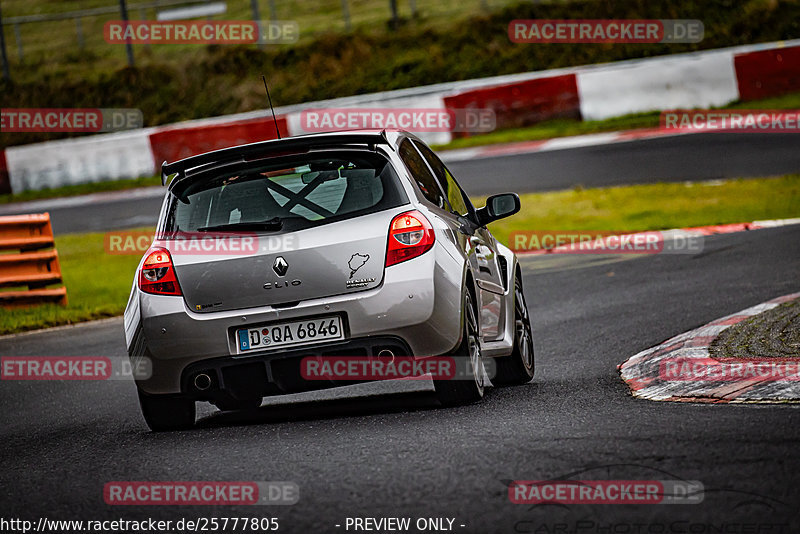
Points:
(290, 333)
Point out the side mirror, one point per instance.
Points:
(498, 207)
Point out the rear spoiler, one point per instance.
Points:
(240, 153)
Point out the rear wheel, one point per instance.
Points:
(167, 412)
(462, 390)
(517, 368)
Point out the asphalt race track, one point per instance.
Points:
(401, 455)
(678, 158)
(667, 159)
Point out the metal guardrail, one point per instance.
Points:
(31, 265)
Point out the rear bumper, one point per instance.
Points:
(418, 304)
(277, 372)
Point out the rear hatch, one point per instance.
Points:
(300, 228)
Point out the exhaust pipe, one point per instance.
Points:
(202, 381)
(386, 353)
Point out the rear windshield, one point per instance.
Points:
(287, 194)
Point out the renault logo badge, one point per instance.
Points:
(280, 266)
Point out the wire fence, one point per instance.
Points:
(33, 36)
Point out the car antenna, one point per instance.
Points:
(269, 99)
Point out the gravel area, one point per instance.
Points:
(774, 333)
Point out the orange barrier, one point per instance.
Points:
(30, 266)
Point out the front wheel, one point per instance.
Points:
(518, 367)
(459, 389)
(167, 412)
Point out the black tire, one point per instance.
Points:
(518, 367)
(167, 412)
(460, 390)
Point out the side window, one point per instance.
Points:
(454, 194)
(421, 174)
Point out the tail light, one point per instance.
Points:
(157, 274)
(410, 235)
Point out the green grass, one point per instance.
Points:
(98, 284)
(53, 46)
(655, 206)
(566, 127)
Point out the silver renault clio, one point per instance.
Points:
(356, 243)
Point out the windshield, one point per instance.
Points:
(286, 194)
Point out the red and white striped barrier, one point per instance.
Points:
(178, 142)
(79, 160)
(525, 102)
(766, 73)
(694, 80)
(5, 183)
